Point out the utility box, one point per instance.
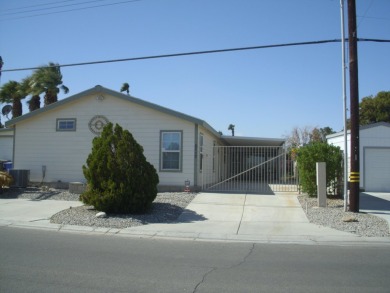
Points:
(321, 183)
(76, 187)
(21, 177)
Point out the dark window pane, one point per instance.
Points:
(171, 161)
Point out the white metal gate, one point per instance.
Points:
(251, 169)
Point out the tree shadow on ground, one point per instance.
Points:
(163, 213)
(28, 193)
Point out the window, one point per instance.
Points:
(66, 124)
(201, 151)
(171, 144)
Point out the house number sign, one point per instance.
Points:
(97, 123)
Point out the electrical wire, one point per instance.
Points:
(197, 53)
(37, 5)
(364, 15)
(53, 7)
(71, 10)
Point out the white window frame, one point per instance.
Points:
(66, 120)
(179, 151)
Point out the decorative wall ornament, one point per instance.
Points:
(97, 123)
(100, 98)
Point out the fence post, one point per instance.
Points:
(321, 183)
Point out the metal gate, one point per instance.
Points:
(262, 170)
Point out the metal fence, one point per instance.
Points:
(250, 169)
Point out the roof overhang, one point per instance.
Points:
(6, 131)
(252, 141)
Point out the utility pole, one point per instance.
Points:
(354, 177)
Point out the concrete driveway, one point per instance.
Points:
(247, 217)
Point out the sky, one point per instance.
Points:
(264, 92)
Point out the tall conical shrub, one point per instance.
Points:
(120, 180)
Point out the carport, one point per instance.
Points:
(251, 165)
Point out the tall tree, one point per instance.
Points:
(231, 127)
(11, 92)
(34, 102)
(375, 109)
(319, 134)
(125, 88)
(48, 80)
(299, 136)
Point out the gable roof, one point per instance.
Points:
(362, 127)
(102, 90)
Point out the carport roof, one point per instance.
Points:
(252, 141)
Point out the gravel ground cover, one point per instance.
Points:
(168, 206)
(333, 216)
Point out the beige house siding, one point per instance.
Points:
(209, 140)
(64, 152)
(6, 144)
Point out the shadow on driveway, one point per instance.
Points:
(375, 203)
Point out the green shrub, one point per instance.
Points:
(120, 180)
(307, 158)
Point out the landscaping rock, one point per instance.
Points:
(349, 218)
(101, 215)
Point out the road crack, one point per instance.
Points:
(203, 279)
(244, 259)
(228, 268)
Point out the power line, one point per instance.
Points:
(364, 15)
(37, 5)
(373, 17)
(53, 7)
(197, 53)
(70, 10)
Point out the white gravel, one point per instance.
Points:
(332, 216)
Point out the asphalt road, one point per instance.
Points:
(47, 261)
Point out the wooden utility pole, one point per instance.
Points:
(354, 177)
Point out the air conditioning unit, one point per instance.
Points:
(21, 177)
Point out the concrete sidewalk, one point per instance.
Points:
(210, 216)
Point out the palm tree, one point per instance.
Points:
(12, 92)
(231, 127)
(35, 101)
(125, 88)
(48, 80)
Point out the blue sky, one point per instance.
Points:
(264, 93)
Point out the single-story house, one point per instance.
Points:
(374, 151)
(54, 142)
